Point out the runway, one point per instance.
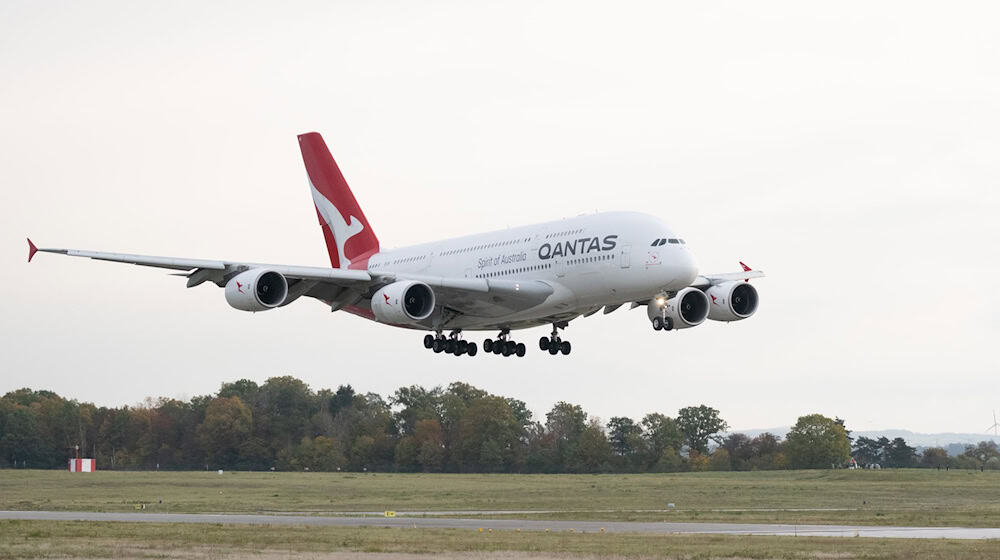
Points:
(523, 525)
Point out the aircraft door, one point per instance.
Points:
(625, 256)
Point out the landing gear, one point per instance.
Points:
(450, 344)
(554, 344)
(662, 323)
(503, 346)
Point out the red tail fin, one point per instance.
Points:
(350, 240)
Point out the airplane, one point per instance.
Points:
(507, 280)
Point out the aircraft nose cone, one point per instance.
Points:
(687, 267)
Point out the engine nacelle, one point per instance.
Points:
(405, 302)
(689, 308)
(257, 289)
(732, 301)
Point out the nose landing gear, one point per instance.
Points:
(662, 323)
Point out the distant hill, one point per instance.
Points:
(954, 442)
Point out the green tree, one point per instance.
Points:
(416, 403)
(817, 442)
(700, 424)
(661, 434)
(720, 460)
(488, 432)
(430, 453)
(767, 452)
(622, 432)
(935, 458)
(21, 442)
(592, 452)
(900, 455)
(867, 451)
(226, 427)
(980, 455)
(564, 424)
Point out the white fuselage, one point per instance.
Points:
(591, 261)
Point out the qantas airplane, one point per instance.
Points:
(543, 274)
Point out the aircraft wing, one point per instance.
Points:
(342, 287)
(708, 280)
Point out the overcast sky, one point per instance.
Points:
(850, 151)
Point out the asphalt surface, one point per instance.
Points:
(523, 525)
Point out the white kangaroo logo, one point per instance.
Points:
(342, 231)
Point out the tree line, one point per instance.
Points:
(282, 424)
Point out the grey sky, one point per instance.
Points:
(850, 151)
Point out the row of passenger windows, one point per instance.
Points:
(485, 246)
(563, 233)
(402, 260)
(672, 240)
(514, 271)
(595, 258)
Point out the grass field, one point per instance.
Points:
(48, 539)
(897, 497)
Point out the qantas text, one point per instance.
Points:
(580, 246)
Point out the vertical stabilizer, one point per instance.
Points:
(350, 239)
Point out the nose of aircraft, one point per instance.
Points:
(687, 267)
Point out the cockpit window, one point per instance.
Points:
(673, 240)
(682, 242)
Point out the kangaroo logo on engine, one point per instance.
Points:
(581, 246)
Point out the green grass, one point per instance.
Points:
(48, 539)
(896, 497)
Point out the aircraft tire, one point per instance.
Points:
(510, 347)
(487, 346)
(657, 323)
(553, 349)
(565, 347)
(668, 324)
(543, 343)
(428, 341)
(438, 346)
(452, 346)
(472, 350)
(520, 350)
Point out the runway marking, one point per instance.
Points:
(521, 524)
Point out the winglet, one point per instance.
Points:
(745, 267)
(31, 249)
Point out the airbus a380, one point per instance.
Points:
(517, 278)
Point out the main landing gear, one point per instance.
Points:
(451, 344)
(503, 346)
(554, 344)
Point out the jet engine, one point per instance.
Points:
(257, 289)
(732, 301)
(406, 302)
(689, 308)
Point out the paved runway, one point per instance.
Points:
(524, 525)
